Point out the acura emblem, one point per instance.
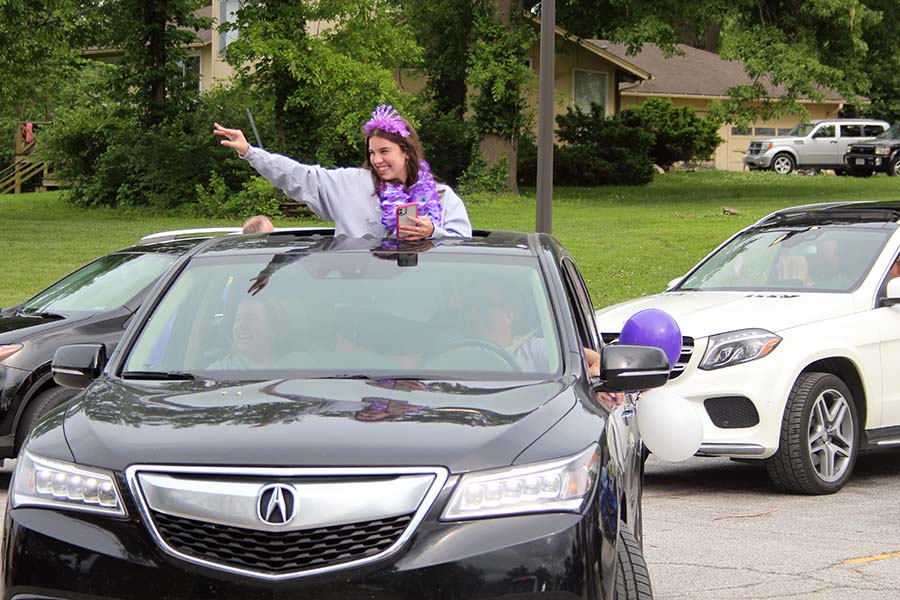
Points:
(276, 504)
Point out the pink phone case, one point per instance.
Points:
(404, 212)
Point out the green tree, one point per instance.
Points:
(797, 45)
(153, 37)
(321, 87)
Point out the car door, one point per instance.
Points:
(848, 134)
(887, 321)
(821, 148)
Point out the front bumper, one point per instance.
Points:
(67, 556)
(868, 162)
(757, 161)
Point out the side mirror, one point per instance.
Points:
(77, 365)
(674, 282)
(626, 368)
(893, 293)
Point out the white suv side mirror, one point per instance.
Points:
(893, 293)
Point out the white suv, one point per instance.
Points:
(792, 341)
(816, 145)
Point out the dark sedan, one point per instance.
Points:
(93, 304)
(298, 415)
(880, 155)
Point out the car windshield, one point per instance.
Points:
(801, 130)
(892, 133)
(352, 315)
(105, 284)
(828, 258)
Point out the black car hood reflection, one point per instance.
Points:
(461, 425)
(12, 326)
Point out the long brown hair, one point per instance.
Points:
(411, 146)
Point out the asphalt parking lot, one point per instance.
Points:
(715, 529)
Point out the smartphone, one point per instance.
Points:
(405, 212)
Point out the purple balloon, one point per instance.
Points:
(653, 327)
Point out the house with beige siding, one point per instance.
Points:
(696, 78)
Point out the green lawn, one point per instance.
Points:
(628, 241)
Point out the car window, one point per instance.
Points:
(582, 308)
(854, 130)
(825, 131)
(827, 258)
(352, 313)
(102, 285)
(801, 130)
(893, 132)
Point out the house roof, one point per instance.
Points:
(694, 73)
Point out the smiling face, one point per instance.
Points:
(387, 159)
(252, 332)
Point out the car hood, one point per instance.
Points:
(14, 327)
(700, 314)
(460, 425)
(876, 143)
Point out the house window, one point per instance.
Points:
(765, 131)
(590, 88)
(741, 131)
(227, 10)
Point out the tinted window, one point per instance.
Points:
(812, 259)
(320, 314)
(105, 284)
(851, 131)
(825, 131)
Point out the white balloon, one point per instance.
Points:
(670, 427)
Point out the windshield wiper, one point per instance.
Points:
(38, 313)
(163, 375)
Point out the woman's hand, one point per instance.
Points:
(421, 228)
(235, 139)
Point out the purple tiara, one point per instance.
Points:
(386, 118)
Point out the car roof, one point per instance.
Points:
(508, 243)
(866, 211)
(846, 121)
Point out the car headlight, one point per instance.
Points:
(882, 150)
(555, 486)
(40, 481)
(8, 350)
(736, 347)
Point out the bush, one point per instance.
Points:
(257, 197)
(600, 151)
(447, 142)
(679, 134)
(479, 177)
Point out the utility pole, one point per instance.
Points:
(544, 216)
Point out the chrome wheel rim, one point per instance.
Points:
(896, 167)
(783, 165)
(831, 435)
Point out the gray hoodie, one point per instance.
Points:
(347, 196)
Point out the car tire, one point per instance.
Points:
(632, 575)
(894, 169)
(819, 439)
(783, 164)
(40, 405)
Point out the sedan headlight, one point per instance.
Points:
(736, 347)
(8, 350)
(41, 481)
(882, 150)
(553, 486)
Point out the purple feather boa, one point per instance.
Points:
(423, 192)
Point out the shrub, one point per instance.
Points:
(679, 134)
(257, 197)
(447, 141)
(600, 151)
(480, 177)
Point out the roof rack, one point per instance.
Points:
(166, 236)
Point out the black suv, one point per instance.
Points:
(298, 415)
(880, 155)
(92, 304)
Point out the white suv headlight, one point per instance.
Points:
(736, 347)
(555, 486)
(42, 481)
